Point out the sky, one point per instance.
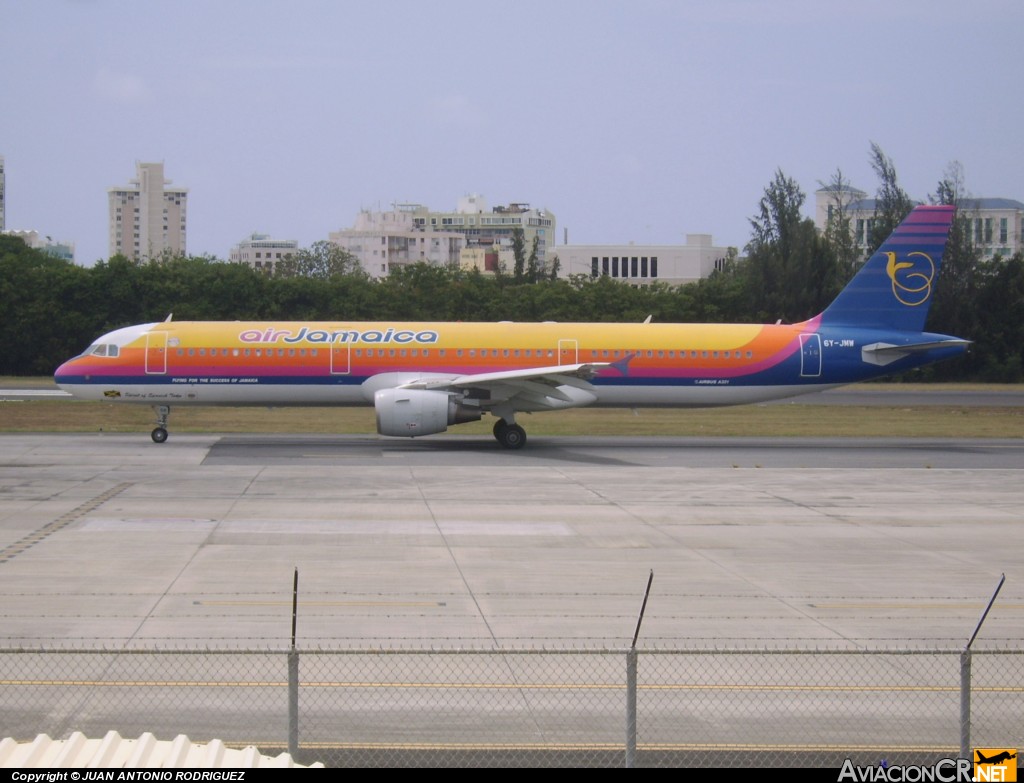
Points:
(631, 120)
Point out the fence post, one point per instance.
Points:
(965, 679)
(293, 678)
(631, 682)
(631, 709)
(965, 704)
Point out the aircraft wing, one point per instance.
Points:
(530, 388)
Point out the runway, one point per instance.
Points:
(452, 540)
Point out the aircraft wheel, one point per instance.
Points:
(159, 435)
(512, 436)
(499, 427)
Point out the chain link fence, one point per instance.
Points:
(530, 707)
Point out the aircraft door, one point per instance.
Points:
(341, 359)
(568, 351)
(156, 353)
(810, 355)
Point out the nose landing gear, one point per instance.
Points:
(159, 434)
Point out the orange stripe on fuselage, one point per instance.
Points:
(272, 348)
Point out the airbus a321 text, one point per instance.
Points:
(423, 377)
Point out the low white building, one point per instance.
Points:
(996, 224)
(262, 252)
(642, 264)
(64, 250)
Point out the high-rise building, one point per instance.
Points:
(147, 219)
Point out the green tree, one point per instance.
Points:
(790, 270)
(1000, 320)
(556, 267)
(954, 308)
(533, 265)
(518, 253)
(892, 204)
(838, 234)
(320, 261)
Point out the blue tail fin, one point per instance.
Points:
(894, 287)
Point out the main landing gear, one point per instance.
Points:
(159, 435)
(511, 436)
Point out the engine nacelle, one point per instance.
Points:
(407, 413)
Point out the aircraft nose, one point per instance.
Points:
(63, 373)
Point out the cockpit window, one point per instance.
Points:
(101, 349)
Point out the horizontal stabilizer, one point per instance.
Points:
(881, 354)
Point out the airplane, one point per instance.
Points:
(423, 377)
(996, 759)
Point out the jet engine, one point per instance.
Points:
(411, 412)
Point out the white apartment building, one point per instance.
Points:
(384, 240)
(411, 233)
(262, 252)
(490, 228)
(996, 224)
(147, 219)
(642, 264)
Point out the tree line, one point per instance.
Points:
(52, 309)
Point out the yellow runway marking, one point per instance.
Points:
(419, 604)
(920, 605)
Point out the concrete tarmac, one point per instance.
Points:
(452, 541)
